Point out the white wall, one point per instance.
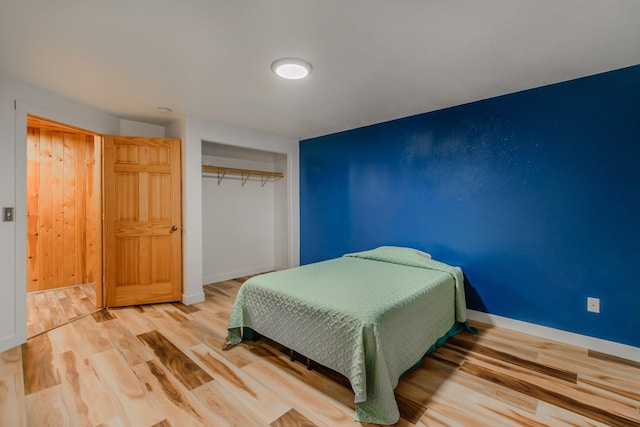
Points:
(191, 212)
(282, 216)
(12, 305)
(131, 128)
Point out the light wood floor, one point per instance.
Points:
(162, 365)
(49, 309)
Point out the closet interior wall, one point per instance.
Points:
(244, 218)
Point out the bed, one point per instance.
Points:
(369, 315)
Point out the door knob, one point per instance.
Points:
(174, 228)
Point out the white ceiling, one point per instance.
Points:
(374, 60)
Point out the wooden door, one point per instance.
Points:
(142, 221)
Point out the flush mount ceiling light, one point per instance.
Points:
(291, 68)
(164, 110)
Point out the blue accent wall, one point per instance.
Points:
(536, 195)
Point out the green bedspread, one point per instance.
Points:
(369, 316)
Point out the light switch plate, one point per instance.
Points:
(7, 214)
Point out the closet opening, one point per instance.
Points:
(244, 211)
(64, 231)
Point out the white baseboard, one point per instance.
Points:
(603, 346)
(192, 298)
(241, 273)
(11, 341)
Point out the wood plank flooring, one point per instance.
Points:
(55, 307)
(162, 365)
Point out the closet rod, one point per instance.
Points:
(244, 173)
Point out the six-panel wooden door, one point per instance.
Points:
(142, 220)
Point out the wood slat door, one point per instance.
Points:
(142, 221)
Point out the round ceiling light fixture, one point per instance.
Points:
(291, 68)
(164, 110)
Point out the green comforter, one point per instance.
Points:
(369, 316)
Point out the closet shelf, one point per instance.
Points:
(244, 174)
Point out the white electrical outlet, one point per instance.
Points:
(593, 304)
